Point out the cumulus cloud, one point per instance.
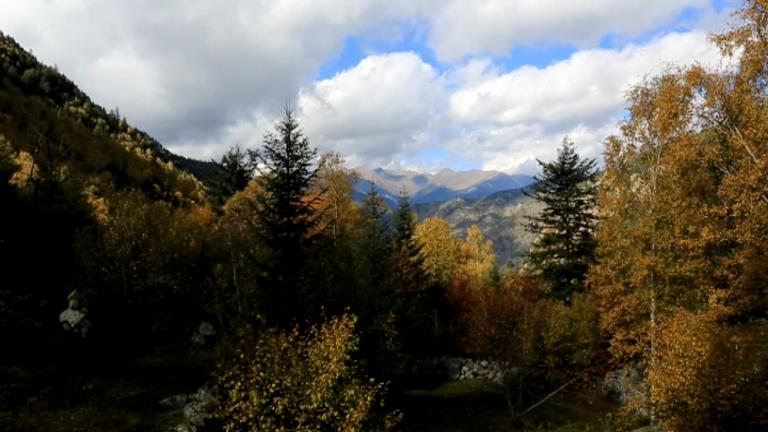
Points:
(514, 117)
(376, 110)
(494, 26)
(188, 71)
(201, 76)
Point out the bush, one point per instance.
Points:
(571, 337)
(710, 376)
(496, 321)
(288, 381)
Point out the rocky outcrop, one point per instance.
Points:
(459, 368)
(625, 385)
(195, 408)
(203, 333)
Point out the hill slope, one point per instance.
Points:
(22, 72)
(501, 216)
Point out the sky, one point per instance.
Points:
(409, 84)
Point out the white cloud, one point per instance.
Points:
(514, 117)
(187, 70)
(514, 149)
(201, 76)
(463, 28)
(376, 110)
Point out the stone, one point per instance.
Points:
(452, 366)
(625, 385)
(70, 318)
(203, 333)
(195, 408)
(174, 402)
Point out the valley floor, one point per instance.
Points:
(119, 393)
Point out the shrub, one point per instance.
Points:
(570, 338)
(289, 381)
(710, 376)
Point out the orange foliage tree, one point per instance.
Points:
(684, 213)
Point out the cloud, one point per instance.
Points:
(512, 118)
(464, 28)
(188, 70)
(201, 76)
(375, 111)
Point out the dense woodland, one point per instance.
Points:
(326, 309)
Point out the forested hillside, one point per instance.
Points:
(23, 72)
(501, 216)
(133, 299)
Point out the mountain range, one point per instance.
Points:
(443, 185)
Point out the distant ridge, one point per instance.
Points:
(443, 185)
(501, 216)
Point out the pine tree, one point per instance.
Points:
(235, 172)
(285, 164)
(416, 299)
(407, 249)
(376, 237)
(565, 245)
(404, 222)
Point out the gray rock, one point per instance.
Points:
(458, 368)
(204, 332)
(195, 408)
(174, 402)
(627, 385)
(73, 318)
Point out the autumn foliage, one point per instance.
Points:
(681, 274)
(290, 381)
(708, 375)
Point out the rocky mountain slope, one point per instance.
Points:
(501, 216)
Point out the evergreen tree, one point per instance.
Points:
(285, 215)
(404, 222)
(415, 299)
(235, 171)
(565, 245)
(376, 237)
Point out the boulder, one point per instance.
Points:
(174, 402)
(195, 408)
(625, 384)
(203, 333)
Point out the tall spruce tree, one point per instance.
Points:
(404, 222)
(376, 240)
(285, 164)
(565, 245)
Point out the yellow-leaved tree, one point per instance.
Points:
(440, 252)
(683, 239)
(478, 256)
(284, 380)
